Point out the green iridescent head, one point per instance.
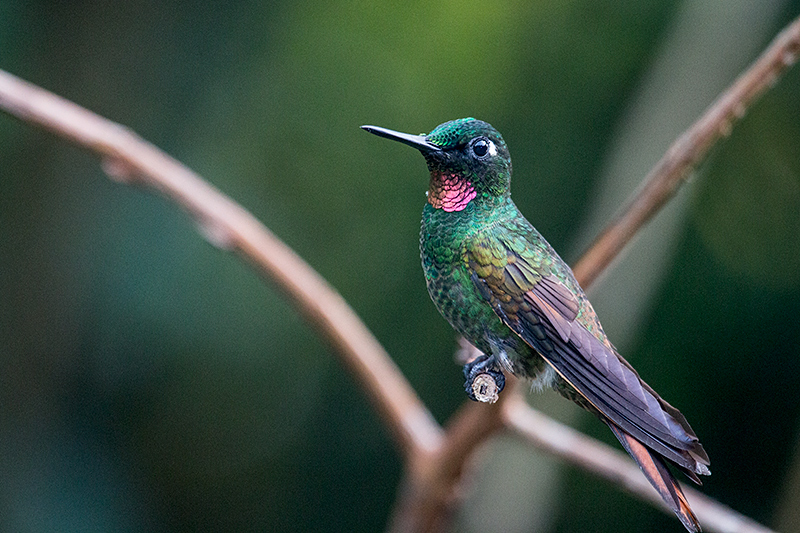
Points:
(460, 132)
(466, 155)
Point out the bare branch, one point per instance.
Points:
(688, 150)
(431, 487)
(606, 462)
(226, 224)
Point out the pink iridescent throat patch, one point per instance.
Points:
(451, 193)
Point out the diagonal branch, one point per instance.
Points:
(606, 462)
(226, 224)
(663, 181)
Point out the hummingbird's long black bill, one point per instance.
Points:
(420, 142)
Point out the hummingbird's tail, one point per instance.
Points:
(657, 473)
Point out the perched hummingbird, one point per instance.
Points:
(503, 287)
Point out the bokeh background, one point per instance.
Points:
(149, 382)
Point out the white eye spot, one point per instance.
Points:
(492, 148)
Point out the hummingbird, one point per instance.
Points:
(501, 285)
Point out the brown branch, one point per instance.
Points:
(606, 462)
(226, 224)
(688, 150)
(432, 486)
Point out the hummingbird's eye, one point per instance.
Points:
(481, 147)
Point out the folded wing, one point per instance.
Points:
(534, 300)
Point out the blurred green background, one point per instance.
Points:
(149, 382)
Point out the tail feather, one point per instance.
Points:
(657, 473)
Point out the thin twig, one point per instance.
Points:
(663, 181)
(226, 224)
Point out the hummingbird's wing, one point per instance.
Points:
(532, 297)
(536, 296)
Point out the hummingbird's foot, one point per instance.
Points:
(484, 379)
